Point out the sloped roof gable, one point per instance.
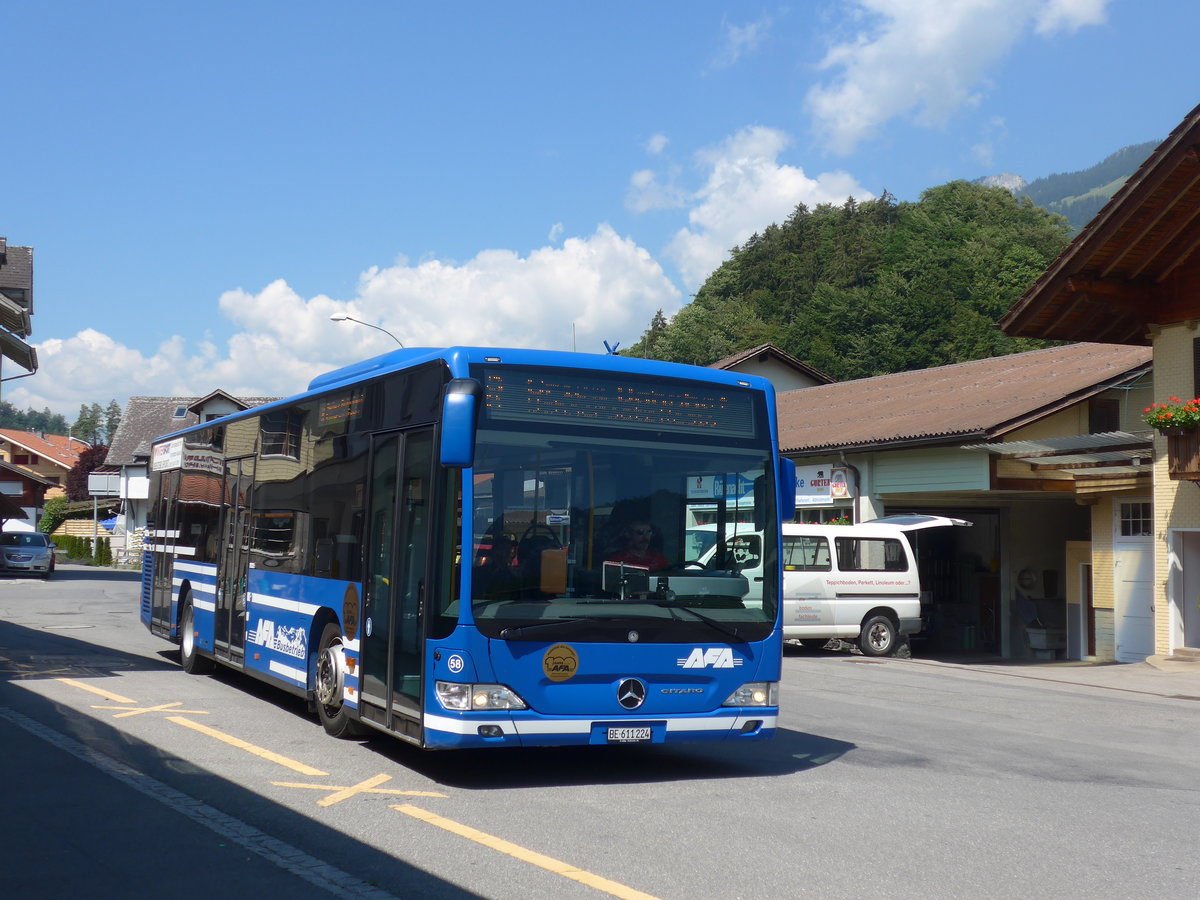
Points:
(981, 399)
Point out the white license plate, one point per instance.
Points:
(628, 735)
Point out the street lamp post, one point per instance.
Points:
(342, 317)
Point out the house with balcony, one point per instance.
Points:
(143, 420)
(1132, 277)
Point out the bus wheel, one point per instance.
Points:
(878, 636)
(331, 678)
(193, 662)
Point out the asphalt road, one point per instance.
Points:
(124, 777)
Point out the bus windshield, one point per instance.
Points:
(585, 537)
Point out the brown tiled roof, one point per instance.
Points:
(146, 418)
(54, 448)
(771, 351)
(980, 399)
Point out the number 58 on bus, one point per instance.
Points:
(475, 547)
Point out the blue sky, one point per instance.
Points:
(204, 184)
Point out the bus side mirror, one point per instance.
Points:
(460, 413)
(787, 489)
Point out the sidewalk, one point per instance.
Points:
(1159, 676)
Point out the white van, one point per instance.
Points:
(853, 582)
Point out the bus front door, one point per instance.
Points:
(397, 573)
(230, 625)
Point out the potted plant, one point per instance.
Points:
(1175, 418)
(1179, 420)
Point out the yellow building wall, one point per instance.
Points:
(1103, 590)
(1176, 503)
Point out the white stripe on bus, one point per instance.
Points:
(300, 676)
(584, 726)
(175, 551)
(197, 568)
(295, 606)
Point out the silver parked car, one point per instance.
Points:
(26, 551)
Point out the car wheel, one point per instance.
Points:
(878, 636)
(329, 694)
(193, 662)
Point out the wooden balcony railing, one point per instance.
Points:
(1183, 454)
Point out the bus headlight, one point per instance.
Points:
(464, 697)
(756, 693)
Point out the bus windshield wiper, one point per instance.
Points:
(727, 630)
(518, 631)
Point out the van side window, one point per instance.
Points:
(805, 553)
(871, 555)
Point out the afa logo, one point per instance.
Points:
(560, 662)
(716, 657)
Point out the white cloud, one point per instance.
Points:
(746, 190)
(926, 58)
(1070, 15)
(657, 144)
(647, 192)
(740, 40)
(591, 289)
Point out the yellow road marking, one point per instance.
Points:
(249, 748)
(566, 870)
(138, 710)
(107, 695)
(370, 786)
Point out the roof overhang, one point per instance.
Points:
(1096, 462)
(1127, 270)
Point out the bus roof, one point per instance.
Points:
(460, 359)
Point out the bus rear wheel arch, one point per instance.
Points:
(328, 691)
(189, 657)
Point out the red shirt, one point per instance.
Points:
(651, 559)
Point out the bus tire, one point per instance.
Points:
(878, 636)
(330, 678)
(193, 663)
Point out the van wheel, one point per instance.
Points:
(193, 663)
(878, 636)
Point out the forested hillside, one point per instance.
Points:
(1079, 195)
(31, 420)
(872, 288)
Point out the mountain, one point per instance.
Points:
(874, 287)
(1078, 196)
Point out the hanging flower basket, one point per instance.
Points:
(1175, 418)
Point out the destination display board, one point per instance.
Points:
(514, 394)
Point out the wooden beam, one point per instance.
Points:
(1179, 260)
(1117, 292)
(1149, 226)
(1165, 239)
(1106, 464)
(1060, 485)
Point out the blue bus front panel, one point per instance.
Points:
(591, 693)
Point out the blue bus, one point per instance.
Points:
(430, 543)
